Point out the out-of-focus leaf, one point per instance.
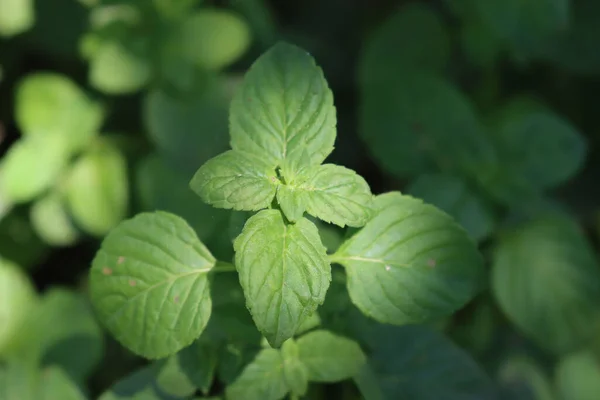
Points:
(173, 380)
(214, 38)
(97, 189)
(578, 376)
(453, 195)
(174, 9)
(18, 241)
(17, 299)
(16, 16)
(55, 384)
(520, 370)
(51, 221)
(18, 380)
(140, 385)
(546, 279)
(413, 37)
(198, 362)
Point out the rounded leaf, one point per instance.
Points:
(16, 16)
(578, 376)
(17, 299)
(283, 271)
(149, 284)
(214, 38)
(546, 279)
(51, 221)
(411, 263)
(97, 190)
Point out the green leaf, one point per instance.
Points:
(291, 202)
(522, 370)
(18, 380)
(172, 379)
(140, 385)
(51, 221)
(295, 372)
(214, 38)
(175, 9)
(329, 357)
(116, 69)
(411, 263)
(188, 130)
(262, 379)
(423, 364)
(19, 242)
(16, 16)
(163, 187)
(62, 331)
(578, 376)
(546, 279)
(235, 180)
(55, 384)
(540, 148)
(97, 189)
(284, 111)
(198, 362)
(31, 166)
(329, 192)
(414, 36)
(283, 271)
(17, 299)
(49, 104)
(452, 195)
(151, 271)
(397, 127)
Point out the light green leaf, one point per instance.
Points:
(397, 127)
(55, 384)
(97, 189)
(283, 271)
(163, 187)
(172, 379)
(333, 194)
(188, 130)
(291, 201)
(295, 372)
(411, 263)
(414, 36)
(262, 379)
(546, 278)
(62, 331)
(149, 284)
(18, 380)
(17, 299)
(452, 195)
(118, 69)
(214, 38)
(329, 357)
(49, 104)
(51, 221)
(31, 166)
(235, 180)
(16, 16)
(578, 376)
(284, 111)
(309, 324)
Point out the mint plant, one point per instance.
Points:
(406, 262)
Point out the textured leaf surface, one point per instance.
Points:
(235, 180)
(262, 379)
(578, 376)
(295, 372)
(410, 263)
(283, 271)
(333, 194)
(546, 279)
(149, 284)
(423, 364)
(452, 195)
(329, 357)
(284, 112)
(97, 189)
(397, 126)
(214, 38)
(412, 37)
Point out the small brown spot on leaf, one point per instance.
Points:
(107, 271)
(132, 282)
(120, 260)
(431, 262)
(176, 299)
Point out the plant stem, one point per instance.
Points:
(222, 266)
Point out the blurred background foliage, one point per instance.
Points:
(486, 109)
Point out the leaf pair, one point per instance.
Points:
(318, 356)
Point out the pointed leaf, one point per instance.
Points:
(329, 357)
(262, 379)
(149, 284)
(283, 271)
(291, 202)
(235, 180)
(284, 112)
(546, 278)
(333, 194)
(411, 263)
